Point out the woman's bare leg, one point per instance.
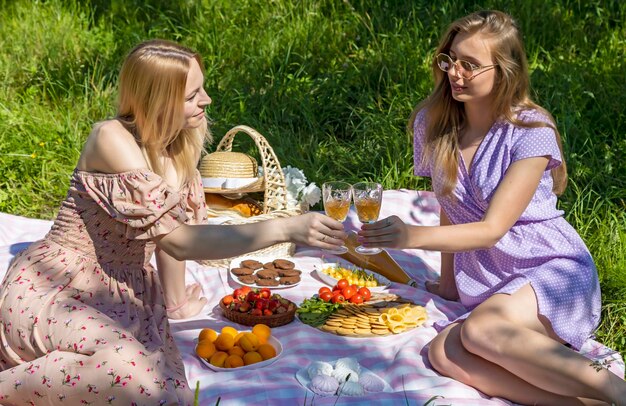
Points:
(448, 356)
(508, 331)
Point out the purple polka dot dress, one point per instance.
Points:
(541, 248)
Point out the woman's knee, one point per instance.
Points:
(481, 334)
(448, 357)
(445, 352)
(437, 355)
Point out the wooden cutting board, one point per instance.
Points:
(381, 263)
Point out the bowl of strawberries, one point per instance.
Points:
(249, 306)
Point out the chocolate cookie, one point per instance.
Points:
(267, 274)
(289, 272)
(251, 263)
(289, 280)
(284, 264)
(267, 282)
(248, 279)
(269, 265)
(242, 271)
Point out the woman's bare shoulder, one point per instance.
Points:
(110, 148)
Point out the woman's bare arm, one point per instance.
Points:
(446, 286)
(224, 241)
(509, 202)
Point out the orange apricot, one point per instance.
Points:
(205, 349)
(233, 361)
(236, 350)
(266, 351)
(238, 336)
(224, 342)
(249, 342)
(229, 330)
(207, 334)
(262, 331)
(218, 359)
(252, 357)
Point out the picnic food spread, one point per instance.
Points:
(383, 315)
(352, 311)
(234, 349)
(354, 276)
(249, 306)
(271, 273)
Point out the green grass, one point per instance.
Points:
(330, 83)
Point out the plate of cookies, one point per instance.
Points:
(265, 272)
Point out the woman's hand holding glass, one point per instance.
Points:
(390, 232)
(336, 197)
(368, 197)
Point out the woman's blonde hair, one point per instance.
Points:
(445, 116)
(151, 106)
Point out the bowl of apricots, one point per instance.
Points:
(231, 349)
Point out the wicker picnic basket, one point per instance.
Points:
(273, 187)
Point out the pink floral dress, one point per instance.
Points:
(82, 314)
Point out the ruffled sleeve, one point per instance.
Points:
(419, 137)
(196, 203)
(140, 201)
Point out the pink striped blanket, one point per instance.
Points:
(399, 359)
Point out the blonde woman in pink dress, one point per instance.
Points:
(83, 316)
(525, 276)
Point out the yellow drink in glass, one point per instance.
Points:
(368, 197)
(336, 197)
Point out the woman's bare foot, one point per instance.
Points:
(192, 305)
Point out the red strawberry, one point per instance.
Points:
(273, 304)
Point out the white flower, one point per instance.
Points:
(311, 194)
(295, 180)
(292, 203)
(299, 193)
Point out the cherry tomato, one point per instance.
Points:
(326, 296)
(322, 290)
(365, 292)
(356, 299)
(342, 283)
(348, 292)
(355, 287)
(338, 299)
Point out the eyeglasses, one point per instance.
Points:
(468, 69)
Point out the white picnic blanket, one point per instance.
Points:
(399, 359)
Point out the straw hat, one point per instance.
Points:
(233, 166)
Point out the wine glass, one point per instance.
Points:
(336, 197)
(368, 197)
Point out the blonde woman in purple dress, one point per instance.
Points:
(524, 274)
(83, 315)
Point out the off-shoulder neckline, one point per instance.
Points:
(183, 189)
(103, 174)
